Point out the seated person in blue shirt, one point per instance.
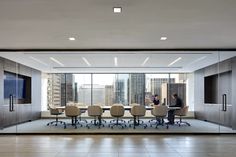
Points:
(156, 100)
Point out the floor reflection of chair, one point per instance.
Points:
(138, 111)
(182, 113)
(117, 111)
(73, 112)
(160, 112)
(96, 112)
(55, 112)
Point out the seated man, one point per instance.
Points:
(156, 100)
(171, 113)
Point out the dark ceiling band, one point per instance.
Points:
(118, 49)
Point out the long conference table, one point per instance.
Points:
(107, 108)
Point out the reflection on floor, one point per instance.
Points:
(39, 126)
(118, 146)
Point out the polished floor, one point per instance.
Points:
(118, 146)
(40, 126)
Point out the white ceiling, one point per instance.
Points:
(49, 23)
(72, 62)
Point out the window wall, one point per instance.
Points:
(103, 89)
(79, 89)
(108, 89)
(153, 86)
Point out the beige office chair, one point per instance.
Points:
(101, 105)
(56, 112)
(138, 111)
(117, 111)
(181, 113)
(82, 111)
(73, 112)
(114, 120)
(131, 105)
(96, 112)
(159, 112)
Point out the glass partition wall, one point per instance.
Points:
(205, 81)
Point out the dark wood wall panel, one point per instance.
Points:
(234, 93)
(225, 84)
(22, 112)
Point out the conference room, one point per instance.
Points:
(102, 91)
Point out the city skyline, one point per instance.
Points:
(120, 88)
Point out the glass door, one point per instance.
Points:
(226, 91)
(8, 96)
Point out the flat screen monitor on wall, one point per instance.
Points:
(211, 89)
(17, 85)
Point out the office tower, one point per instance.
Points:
(66, 88)
(63, 89)
(69, 87)
(98, 94)
(155, 84)
(120, 91)
(54, 89)
(109, 95)
(168, 89)
(75, 92)
(137, 88)
(84, 94)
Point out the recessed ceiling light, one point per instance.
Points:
(117, 9)
(71, 38)
(163, 38)
(116, 61)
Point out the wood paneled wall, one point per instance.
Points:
(23, 112)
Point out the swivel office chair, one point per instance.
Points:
(181, 113)
(117, 111)
(138, 111)
(96, 112)
(159, 112)
(73, 112)
(56, 112)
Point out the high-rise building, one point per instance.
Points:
(66, 88)
(137, 88)
(120, 91)
(75, 92)
(69, 87)
(109, 95)
(54, 90)
(98, 94)
(156, 83)
(84, 94)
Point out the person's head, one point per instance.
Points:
(175, 96)
(156, 96)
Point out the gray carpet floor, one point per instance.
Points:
(40, 126)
